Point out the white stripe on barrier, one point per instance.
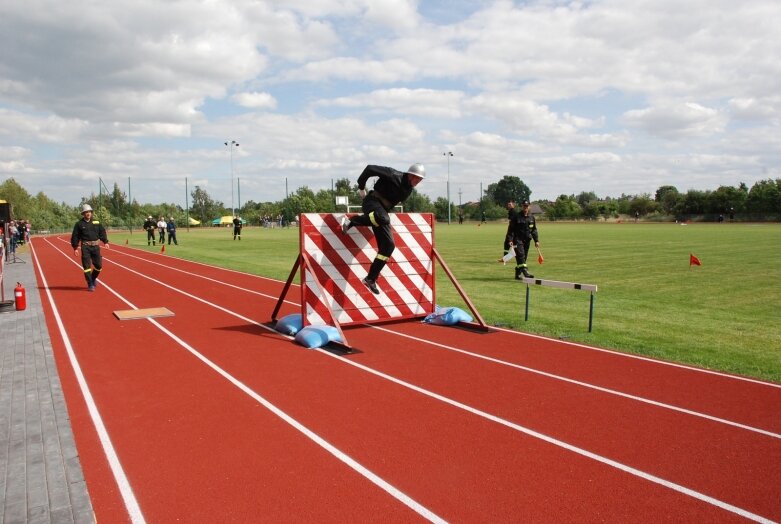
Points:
(335, 264)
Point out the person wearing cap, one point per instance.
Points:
(150, 226)
(171, 228)
(520, 233)
(89, 233)
(391, 188)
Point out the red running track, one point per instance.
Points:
(210, 416)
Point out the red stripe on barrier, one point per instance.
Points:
(336, 263)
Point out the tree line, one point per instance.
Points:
(761, 202)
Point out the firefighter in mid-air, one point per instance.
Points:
(392, 188)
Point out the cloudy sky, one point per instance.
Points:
(614, 96)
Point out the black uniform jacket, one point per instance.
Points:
(522, 228)
(88, 231)
(392, 185)
(150, 225)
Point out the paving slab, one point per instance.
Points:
(41, 479)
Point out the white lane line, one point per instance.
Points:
(258, 293)
(333, 450)
(516, 333)
(644, 359)
(586, 384)
(532, 370)
(517, 427)
(556, 442)
(131, 504)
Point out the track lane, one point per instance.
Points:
(753, 400)
(234, 300)
(396, 412)
(752, 403)
(181, 446)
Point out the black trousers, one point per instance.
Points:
(150, 236)
(522, 252)
(91, 261)
(375, 215)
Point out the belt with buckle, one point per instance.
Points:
(90, 242)
(384, 201)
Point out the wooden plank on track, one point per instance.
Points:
(134, 314)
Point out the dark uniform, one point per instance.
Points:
(522, 230)
(171, 226)
(236, 228)
(392, 188)
(89, 234)
(150, 226)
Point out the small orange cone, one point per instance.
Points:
(125, 241)
(162, 250)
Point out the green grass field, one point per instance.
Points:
(723, 315)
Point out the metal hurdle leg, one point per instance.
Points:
(526, 315)
(592, 288)
(590, 311)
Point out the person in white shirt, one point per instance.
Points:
(161, 227)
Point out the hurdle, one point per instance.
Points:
(591, 288)
(332, 265)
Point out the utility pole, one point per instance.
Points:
(230, 146)
(448, 155)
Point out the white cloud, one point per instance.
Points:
(424, 102)
(611, 96)
(681, 120)
(255, 100)
(765, 109)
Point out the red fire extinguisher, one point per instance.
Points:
(21, 297)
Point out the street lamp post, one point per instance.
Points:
(448, 155)
(230, 146)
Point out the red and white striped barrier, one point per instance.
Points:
(333, 265)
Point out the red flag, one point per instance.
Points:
(694, 261)
(540, 260)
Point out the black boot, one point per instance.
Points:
(526, 273)
(517, 273)
(372, 285)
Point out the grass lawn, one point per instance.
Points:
(723, 315)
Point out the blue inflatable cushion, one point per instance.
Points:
(290, 324)
(317, 336)
(448, 316)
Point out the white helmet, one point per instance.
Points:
(417, 170)
(85, 208)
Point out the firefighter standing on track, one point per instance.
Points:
(520, 233)
(89, 233)
(391, 188)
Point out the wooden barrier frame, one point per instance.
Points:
(592, 288)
